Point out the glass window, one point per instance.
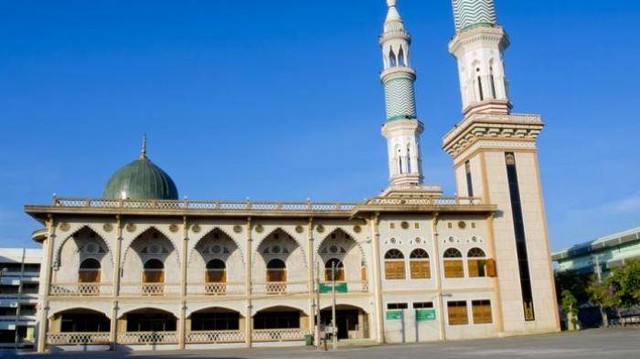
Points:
(457, 312)
(482, 312)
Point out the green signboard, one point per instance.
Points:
(394, 315)
(328, 288)
(425, 314)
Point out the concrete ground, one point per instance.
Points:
(620, 343)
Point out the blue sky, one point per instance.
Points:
(280, 100)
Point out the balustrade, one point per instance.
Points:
(278, 335)
(215, 336)
(80, 289)
(148, 338)
(78, 338)
(149, 289)
(280, 288)
(215, 288)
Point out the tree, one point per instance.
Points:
(605, 295)
(569, 305)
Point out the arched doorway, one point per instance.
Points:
(216, 325)
(331, 265)
(79, 326)
(153, 277)
(89, 277)
(216, 277)
(352, 322)
(149, 326)
(276, 277)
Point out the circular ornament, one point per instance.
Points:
(299, 229)
(404, 225)
(173, 228)
(196, 228)
(357, 228)
(462, 225)
(131, 227)
(216, 249)
(276, 249)
(259, 228)
(237, 228)
(320, 228)
(108, 227)
(64, 226)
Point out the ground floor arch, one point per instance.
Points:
(352, 321)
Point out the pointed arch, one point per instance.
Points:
(204, 237)
(140, 235)
(393, 60)
(401, 57)
(84, 228)
(289, 236)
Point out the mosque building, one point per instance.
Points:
(141, 269)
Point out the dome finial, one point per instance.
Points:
(392, 3)
(143, 153)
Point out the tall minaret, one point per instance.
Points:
(402, 127)
(495, 158)
(478, 46)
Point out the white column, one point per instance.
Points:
(377, 275)
(248, 325)
(45, 287)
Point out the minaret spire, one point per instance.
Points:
(478, 46)
(143, 152)
(402, 128)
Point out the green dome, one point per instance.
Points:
(141, 179)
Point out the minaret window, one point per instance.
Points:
(480, 92)
(401, 59)
(493, 83)
(400, 162)
(393, 62)
(408, 159)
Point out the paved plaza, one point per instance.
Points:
(610, 344)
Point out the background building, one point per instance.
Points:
(139, 268)
(19, 277)
(601, 255)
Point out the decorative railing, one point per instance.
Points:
(203, 205)
(215, 288)
(148, 338)
(278, 288)
(217, 336)
(78, 338)
(149, 289)
(278, 335)
(424, 201)
(80, 289)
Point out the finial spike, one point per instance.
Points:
(143, 153)
(392, 3)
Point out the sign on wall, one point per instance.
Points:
(394, 314)
(327, 288)
(423, 315)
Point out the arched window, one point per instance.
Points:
(339, 270)
(453, 265)
(216, 271)
(480, 91)
(89, 271)
(393, 62)
(153, 271)
(216, 277)
(400, 169)
(419, 264)
(153, 277)
(401, 60)
(477, 263)
(493, 82)
(276, 276)
(408, 158)
(394, 265)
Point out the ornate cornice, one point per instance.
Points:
(492, 127)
